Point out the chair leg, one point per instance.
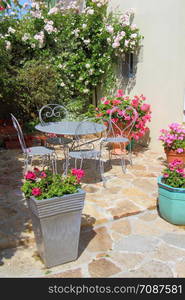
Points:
(101, 164)
(25, 165)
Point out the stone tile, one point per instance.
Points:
(144, 228)
(180, 268)
(151, 269)
(175, 239)
(138, 167)
(76, 273)
(139, 197)
(102, 268)
(166, 226)
(90, 188)
(145, 185)
(96, 240)
(148, 217)
(122, 226)
(136, 243)
(129, 260)
(124, 208)
(168, 253)
(92, 210)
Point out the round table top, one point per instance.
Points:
(71, 128)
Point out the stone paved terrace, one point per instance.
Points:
(122, 234)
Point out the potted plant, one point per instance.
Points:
(173, 140)
(119, 107)
(55, 203)
(171, 189)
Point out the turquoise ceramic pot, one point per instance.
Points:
(171, 203)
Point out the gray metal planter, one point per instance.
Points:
(56, 225)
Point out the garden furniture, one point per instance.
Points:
(52, 112)
(120, 136)
(86, 149)
(31, 152)
(69, 128)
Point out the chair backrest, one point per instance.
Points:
(52, 112)
(86, 141)
(19, 133)
(116, 127)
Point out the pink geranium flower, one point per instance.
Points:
(166, 175)
(43, 174)
(36, 191)
(120, 93)
(79, 173)
(145, 107)
(180, 150)
(30, 175)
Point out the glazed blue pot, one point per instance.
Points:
(171, 203)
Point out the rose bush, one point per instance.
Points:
(81, 46)
(44, 185)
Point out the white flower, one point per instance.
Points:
(133, 26)
(86, 42)
(133, 35)
(108, 40)
(122, 33)
(115, 45)
(11, 30)
(62, 84)
(25, 37)
(90, 11)
(84, 26)
(126, 43)
(86, 91)
(86, 82)
(110, 29)
(8, 45)
(60, 66)
(80, 78)
(33, 45)
(53, 10)
(87, 66)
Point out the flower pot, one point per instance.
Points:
(171, 203)
(172, 155)
(56, 225)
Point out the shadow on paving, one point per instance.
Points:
(14, 216)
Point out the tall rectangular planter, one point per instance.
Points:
(56, 225)
(171, 203)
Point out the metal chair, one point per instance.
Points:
(31, 152)
(54, 112)
(85, 149)
(120, 136)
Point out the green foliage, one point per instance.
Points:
(174, 174)
(44, 185)
(61, 55)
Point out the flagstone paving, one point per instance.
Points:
(122, 233)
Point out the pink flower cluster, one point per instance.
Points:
(79, 173)
(119, 108)
(173, 137)
(34, 177)
(174, 174)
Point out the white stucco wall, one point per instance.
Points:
(161, 69)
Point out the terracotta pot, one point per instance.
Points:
(172, 155)
(118, 148)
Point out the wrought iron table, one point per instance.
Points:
(70, 128)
